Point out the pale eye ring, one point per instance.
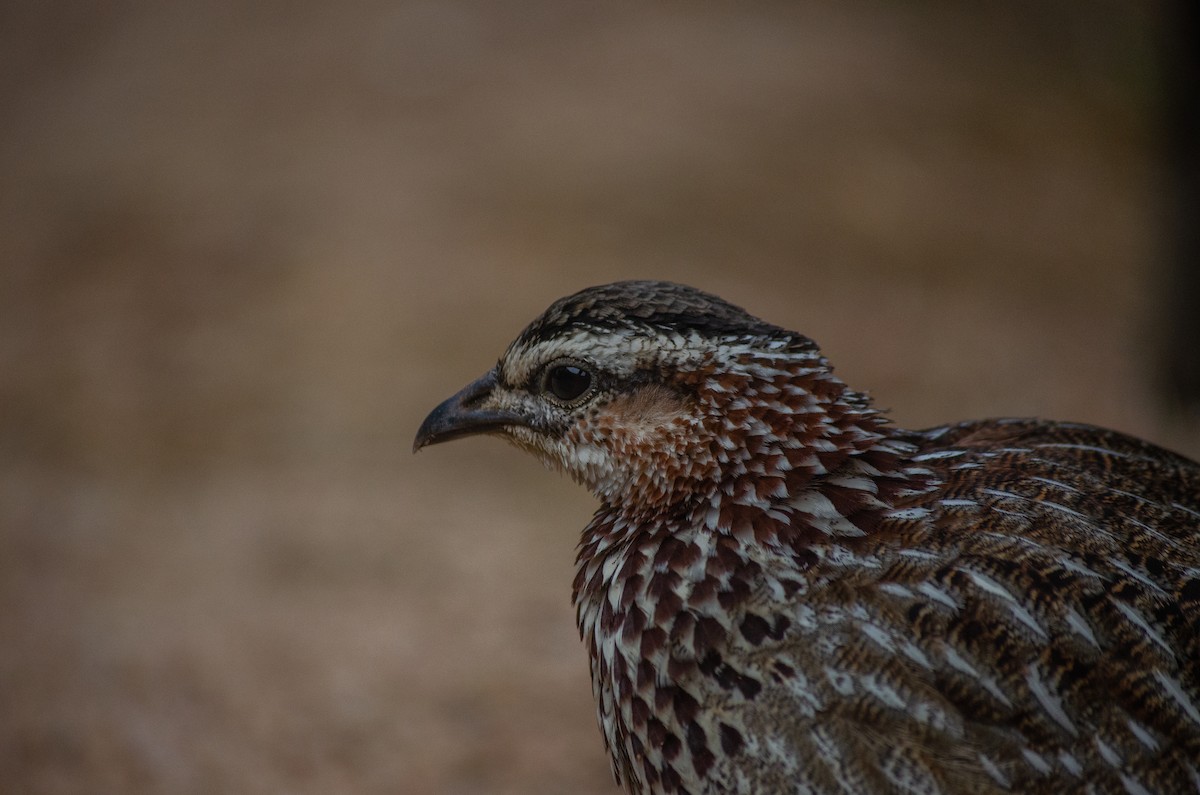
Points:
(567, 382)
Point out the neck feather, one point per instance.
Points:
(782, 456)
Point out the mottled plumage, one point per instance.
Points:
(782, 592)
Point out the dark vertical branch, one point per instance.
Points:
(1181, 71)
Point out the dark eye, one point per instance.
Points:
(567, 382)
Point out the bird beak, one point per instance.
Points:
(463, 415)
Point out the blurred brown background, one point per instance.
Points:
(246, 246)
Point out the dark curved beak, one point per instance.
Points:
(460, 415)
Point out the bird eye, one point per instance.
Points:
(567, 382)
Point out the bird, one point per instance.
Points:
(783, 591)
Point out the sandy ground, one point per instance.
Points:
(248, 246)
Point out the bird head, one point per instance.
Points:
(652, 391)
